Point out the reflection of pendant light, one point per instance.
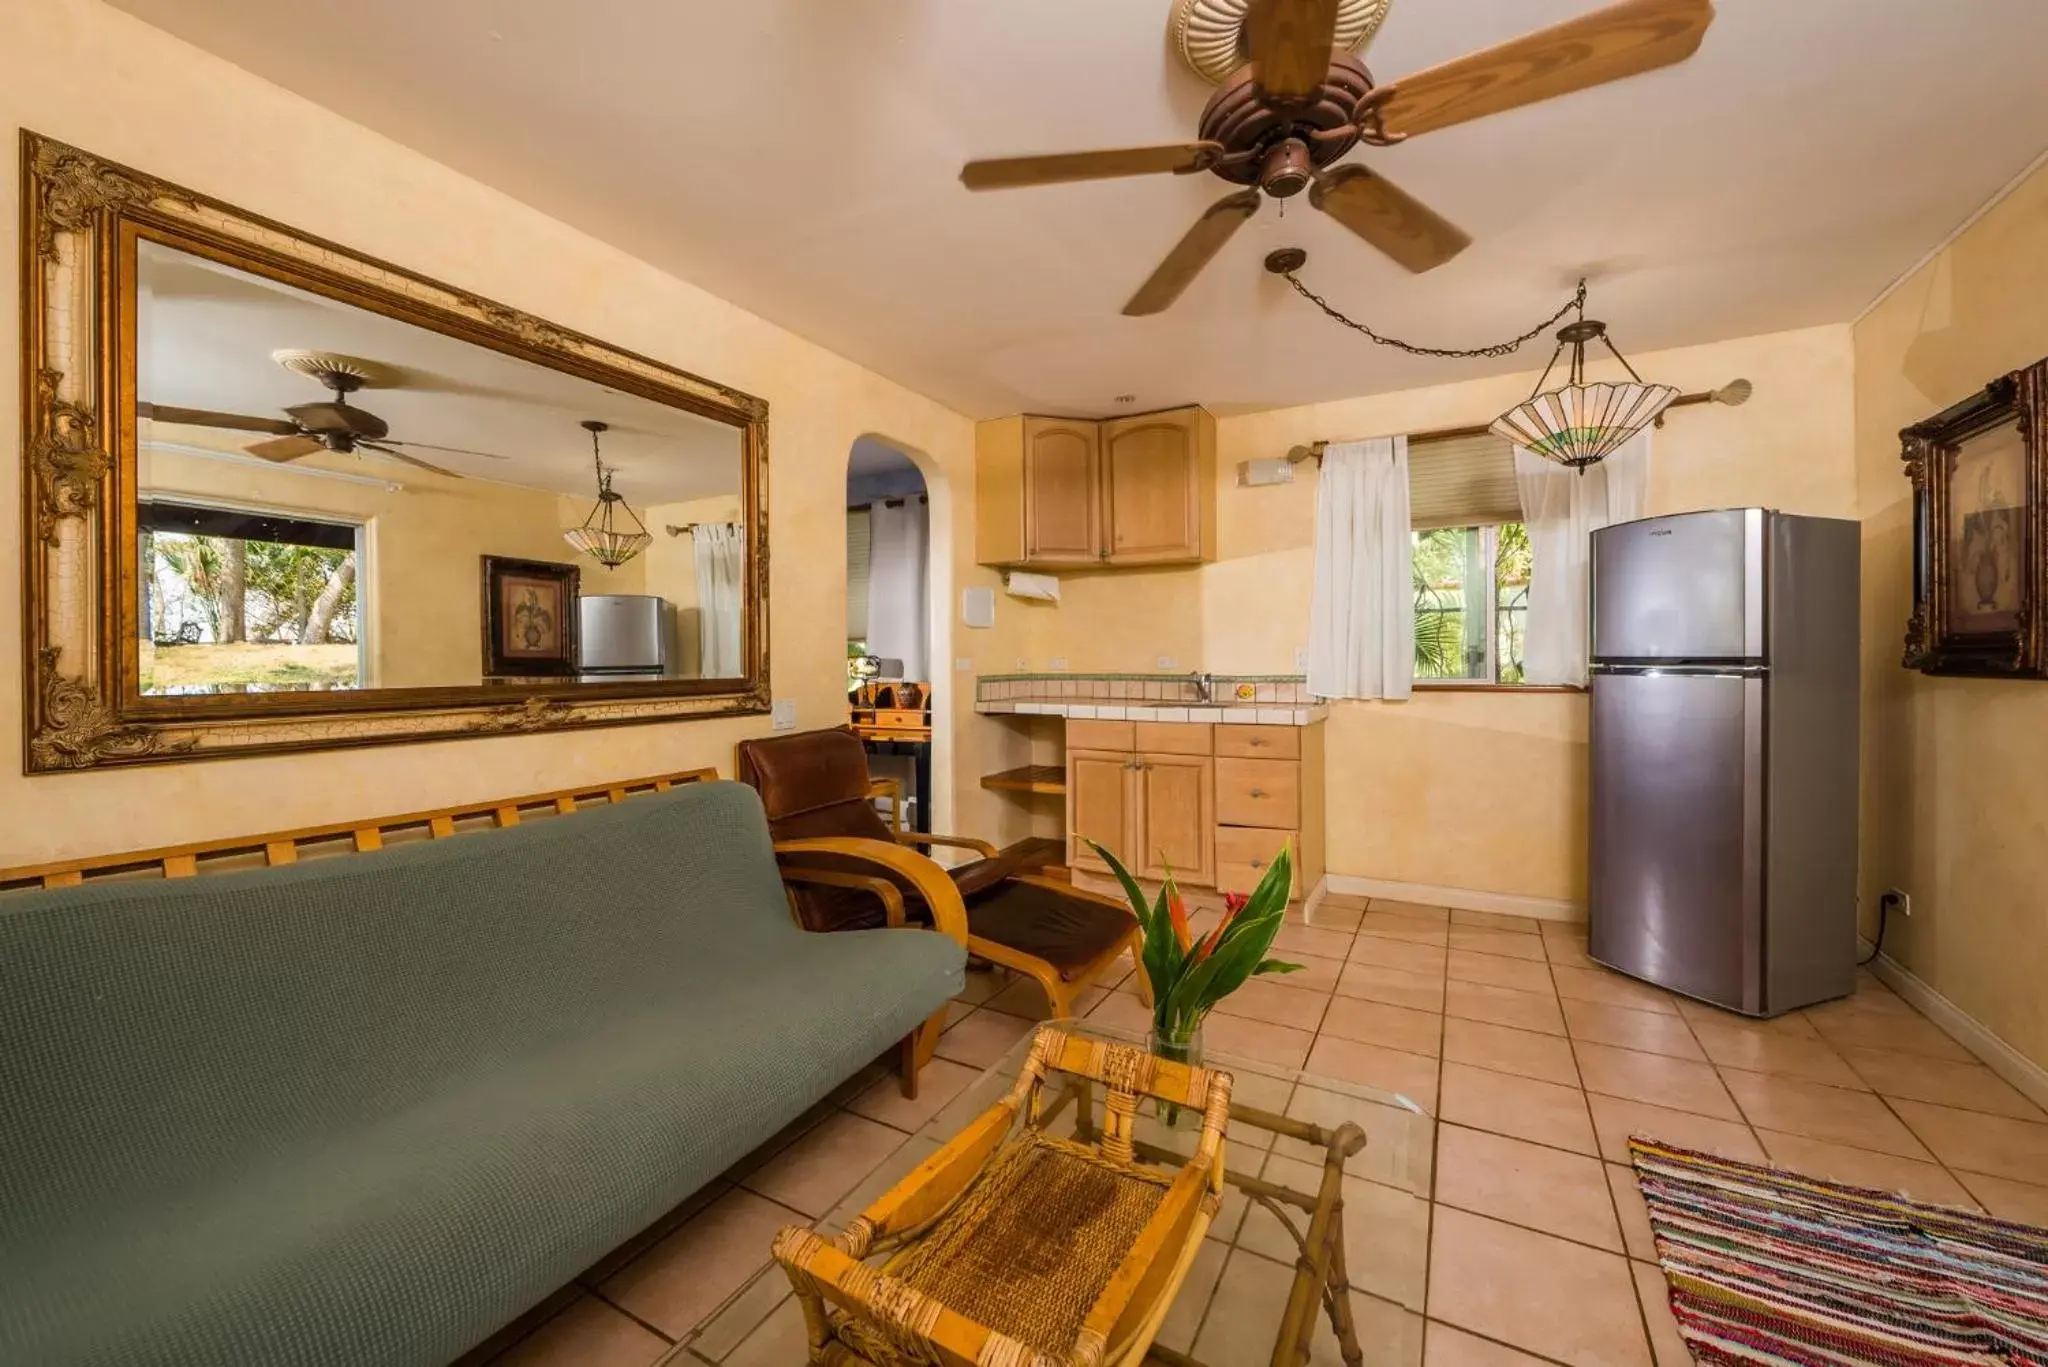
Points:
(600, 537)
(1581, 424)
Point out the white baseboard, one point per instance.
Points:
(1314, 900)
(1465, 899)
(2009, 1063)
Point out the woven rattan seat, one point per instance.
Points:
(1011, 1247)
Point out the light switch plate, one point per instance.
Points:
(963, 665)
(783, 714)
(1059, 664)
(1301, 659)
(1168, 662)
(978, 607)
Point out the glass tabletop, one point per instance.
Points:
(1239, 1282)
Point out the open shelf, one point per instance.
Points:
(1032, 778)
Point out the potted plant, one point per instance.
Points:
(1189, 975)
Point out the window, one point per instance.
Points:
(857, 556)
(1470, 562)
(240, 601)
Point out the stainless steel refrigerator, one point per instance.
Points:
(1724, 755)
(625, 636)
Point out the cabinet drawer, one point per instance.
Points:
(1083, 734)
(1173, 737)
(1259, 742)
(1259, 792)
(1243, 853)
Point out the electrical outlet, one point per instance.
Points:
(963, 665)
(1058, 665)
(783, 714)
(1022, 664)
(1168, 662)
(1301, 659)
(1898, 900)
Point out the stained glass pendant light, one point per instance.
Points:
(1580, 424)
(613, 533)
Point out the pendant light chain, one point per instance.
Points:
(1508, 348)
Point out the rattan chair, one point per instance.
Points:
(1012, 1247)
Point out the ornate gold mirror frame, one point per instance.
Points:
(79, 215)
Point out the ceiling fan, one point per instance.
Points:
(329, 425)
(1295, 107)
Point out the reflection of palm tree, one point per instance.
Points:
(531, 620)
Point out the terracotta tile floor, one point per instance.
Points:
(1537, 1063)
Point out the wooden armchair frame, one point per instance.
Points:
(916, 868)
(1125, 1317)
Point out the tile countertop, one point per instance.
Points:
(1243, 714)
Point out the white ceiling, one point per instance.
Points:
(799, 158)
(205, 333)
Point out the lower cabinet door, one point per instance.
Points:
(1099, 807)
(1176, 817)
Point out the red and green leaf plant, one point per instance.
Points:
(1188, 975)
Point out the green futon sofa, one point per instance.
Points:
(365, 1110)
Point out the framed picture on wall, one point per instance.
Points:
(1980, 554)
(529, 618)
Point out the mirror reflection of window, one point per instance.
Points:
(394, 458)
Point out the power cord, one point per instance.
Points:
(1884, 907)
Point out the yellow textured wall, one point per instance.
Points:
(1955, 807)
(78, 71)
(1463, 790)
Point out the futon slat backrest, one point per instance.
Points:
(285, 847)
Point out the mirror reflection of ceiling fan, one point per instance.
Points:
(1295, 107)
(333, 425)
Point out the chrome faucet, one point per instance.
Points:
(1205, 688)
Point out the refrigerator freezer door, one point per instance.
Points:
(624, 631)
(1686, 587)
(1676, 876)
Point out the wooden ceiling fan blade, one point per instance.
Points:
(1009, 173)
(1291, 42)
(285, 448)
(206, 417)
(1193, 252)
(1388, 217)
(1606, 45)
(396, 454)
(429, 446)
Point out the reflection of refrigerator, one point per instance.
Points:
(625, 636)
(1724, 756)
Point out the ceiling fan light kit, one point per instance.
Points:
(613, 533)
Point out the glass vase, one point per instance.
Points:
(1179, 1046)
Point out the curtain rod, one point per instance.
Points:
(1734, 394)
(674, 529)
(885, 502)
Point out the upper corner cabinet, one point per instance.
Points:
(1068, 492)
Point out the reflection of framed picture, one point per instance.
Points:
(1980, 558)
(529, 617)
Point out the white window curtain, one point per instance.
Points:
(898, 568)
(1562, 509)
(720, 553)
(856, 574)
(1362, 616)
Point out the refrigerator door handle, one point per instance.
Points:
(1686, 671)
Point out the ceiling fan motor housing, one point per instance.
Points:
(1277, 143)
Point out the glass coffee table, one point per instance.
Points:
(1317, 1255)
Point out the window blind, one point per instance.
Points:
(1462, 482)
(856, 574)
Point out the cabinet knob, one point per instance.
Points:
(1258, 863)
(1258, 744)
(1258, 792)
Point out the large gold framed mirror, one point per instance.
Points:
(282, 496)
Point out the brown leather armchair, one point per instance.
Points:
(815, 787)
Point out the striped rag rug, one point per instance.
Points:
(1769, 1268)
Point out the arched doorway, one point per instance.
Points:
(899, 583)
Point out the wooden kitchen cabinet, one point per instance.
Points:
(1158, 478)
(1067, 492)
(1100, 796)
(1173, 819)
(1151, 809)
